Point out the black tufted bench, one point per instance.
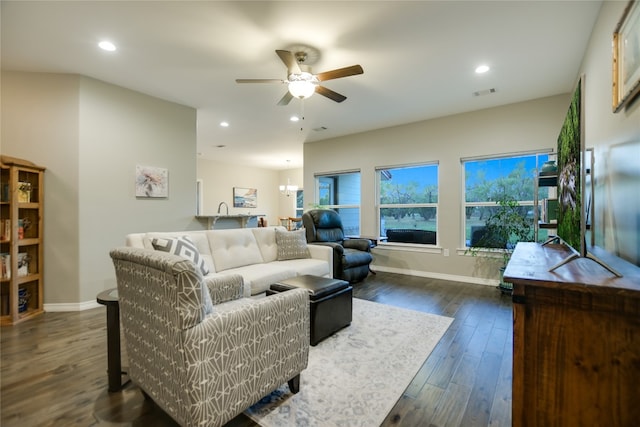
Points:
(330, 303)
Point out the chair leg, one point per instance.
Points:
(294, 384)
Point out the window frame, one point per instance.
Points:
(539, 159)
(382, 240)
(338, 206)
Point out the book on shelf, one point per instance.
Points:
(5, 265)
(5, 229)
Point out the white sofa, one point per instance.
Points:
(249, 252)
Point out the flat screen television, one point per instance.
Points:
(572, 168)
(571, 220)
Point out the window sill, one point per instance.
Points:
(409, 247)
(486, 253)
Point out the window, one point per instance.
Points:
(341, 192)
(489, 180)
(408, 203)
(299, 203)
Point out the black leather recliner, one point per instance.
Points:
(351, 257)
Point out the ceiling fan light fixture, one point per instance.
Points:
(302, 85)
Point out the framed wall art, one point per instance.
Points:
(245, 197)
(152, 182)
(626, 57)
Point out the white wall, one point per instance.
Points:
(90, 135)
(519, 127)
(120, 129)
(616, 142)
(40, 124)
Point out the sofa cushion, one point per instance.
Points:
(266, 238)
(292, 245)
(233, 248)
(315, 267)
(258, 277)
(182, 246)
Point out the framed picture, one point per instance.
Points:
(245, 197)
(626, 57)
(152, 182)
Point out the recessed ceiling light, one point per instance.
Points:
(482, 69)
(107, 45)
(294, 118)
(224, 124)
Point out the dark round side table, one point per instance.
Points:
(109, 298)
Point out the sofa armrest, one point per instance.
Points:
(360, 244)
(322, 252)
(223, 288)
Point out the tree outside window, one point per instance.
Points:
(496, 180)
(408, 203)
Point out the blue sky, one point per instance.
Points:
(494, 169)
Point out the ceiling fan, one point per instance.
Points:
(302, 83)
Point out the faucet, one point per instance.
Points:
(225, 205)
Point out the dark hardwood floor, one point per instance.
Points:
(53, 369)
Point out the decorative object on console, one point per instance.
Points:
(626, 57)
(245, 197)
(549, 168)
(152, 182)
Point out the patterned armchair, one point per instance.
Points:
(203, 353)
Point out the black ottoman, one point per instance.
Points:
(330, 303)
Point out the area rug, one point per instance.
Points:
(357, 375)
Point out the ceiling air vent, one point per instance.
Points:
(484, 92)
(320, 129)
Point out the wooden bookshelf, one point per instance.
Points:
(21, 246)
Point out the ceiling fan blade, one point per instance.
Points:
(286, 99)
(290, 61)
(340, 72)
(260, 81)
(330, 94)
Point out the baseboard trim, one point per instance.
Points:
(78, 306)
(440, 276)
(88, 305)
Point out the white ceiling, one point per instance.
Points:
(418, 58)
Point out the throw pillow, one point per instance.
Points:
(182, 246)
(292, 244)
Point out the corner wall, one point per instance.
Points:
(616, 142)
(90, 135)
